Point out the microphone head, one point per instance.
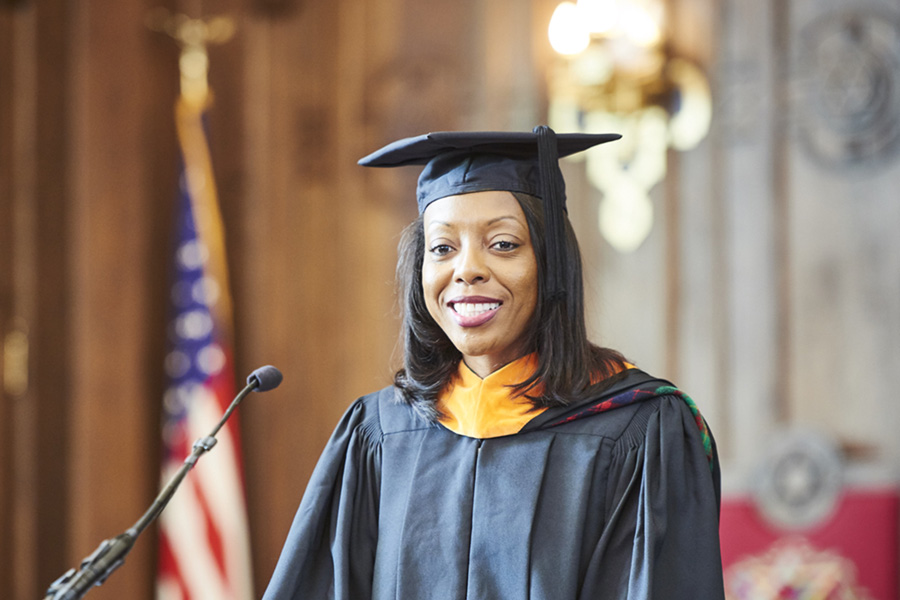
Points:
(267, 378)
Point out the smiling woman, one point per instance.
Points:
(479, 276)
(512, 458)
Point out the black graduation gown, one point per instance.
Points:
(620, 504)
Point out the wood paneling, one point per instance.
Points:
(7, 290)
(52, 351)
(81, 458)
(113, 410)
(287, 276)
(34, 284)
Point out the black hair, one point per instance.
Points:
(570, 368)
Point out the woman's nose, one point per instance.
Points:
(471, 266)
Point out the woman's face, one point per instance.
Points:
(480, 276)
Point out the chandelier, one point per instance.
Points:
(615, 72)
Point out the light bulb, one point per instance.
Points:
(567, 33)
(638, 25)
(599, 16)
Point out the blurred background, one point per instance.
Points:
(741, 240)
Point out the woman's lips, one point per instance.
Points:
(472, 312)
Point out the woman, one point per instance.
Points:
(511, 458)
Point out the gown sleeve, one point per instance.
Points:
(661, 536)
(330, 548)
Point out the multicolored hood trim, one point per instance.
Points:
(631, 386)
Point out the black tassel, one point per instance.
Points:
(554, 198)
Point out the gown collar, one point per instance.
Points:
(487, 408)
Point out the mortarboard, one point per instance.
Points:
(461, 162)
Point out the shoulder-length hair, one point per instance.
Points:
(570, 368)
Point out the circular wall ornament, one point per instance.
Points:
(799, 481)
(849, 76)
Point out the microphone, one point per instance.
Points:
(110, 554)
(267, 378)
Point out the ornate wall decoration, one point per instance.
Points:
(848, 102)
(792, 568)
(799, 480)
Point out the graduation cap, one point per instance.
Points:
(461, 162)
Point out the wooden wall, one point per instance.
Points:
(87, 182)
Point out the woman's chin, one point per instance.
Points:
(486, 358)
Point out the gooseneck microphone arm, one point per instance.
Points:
(110, 554)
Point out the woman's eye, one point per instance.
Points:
(505, 245)
(440, 249)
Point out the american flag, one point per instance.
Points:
(203, 537)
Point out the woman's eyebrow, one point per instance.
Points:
(496, 219)
(449, 225)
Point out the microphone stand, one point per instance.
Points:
(110, 554)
